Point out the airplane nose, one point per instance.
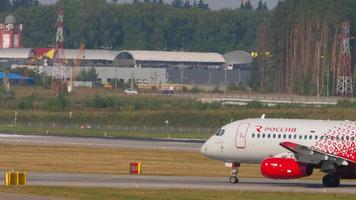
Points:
(204, 149)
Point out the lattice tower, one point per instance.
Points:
(58, 75)
(344, 78)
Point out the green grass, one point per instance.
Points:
(167, 194)
(99, 133)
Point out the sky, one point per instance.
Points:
(214, 4)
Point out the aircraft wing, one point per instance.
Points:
(307, 155)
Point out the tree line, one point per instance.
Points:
(147, 25)
(304, 38)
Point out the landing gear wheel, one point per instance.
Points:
(331, 181)
(234, 173)
(233, 179)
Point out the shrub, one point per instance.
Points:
(27, 103)
(255, 104)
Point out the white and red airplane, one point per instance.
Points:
(288, 148)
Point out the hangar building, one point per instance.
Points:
(181, 67)
(15, 56)
(153, 67)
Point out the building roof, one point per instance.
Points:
(171, 56)
(91, 54)
(16, 53)
(238, 57)
(13, 76)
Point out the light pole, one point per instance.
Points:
(15, 119)
(327, 80)
(226, 68)
(225, 89)
(167, 123)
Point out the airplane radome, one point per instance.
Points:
(287, 148)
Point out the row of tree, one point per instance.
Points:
(146, 26)
(14, 4)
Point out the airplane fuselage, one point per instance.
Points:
(252, 140)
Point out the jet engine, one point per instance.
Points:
(285, 168)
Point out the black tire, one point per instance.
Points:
(233, 179)
(331, 181)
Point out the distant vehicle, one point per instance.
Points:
(167, 90)
(107, 86)
(130, 91)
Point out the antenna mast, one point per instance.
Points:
(58, 76)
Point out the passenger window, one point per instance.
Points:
(347, 138)
(269, 135)
(295, 137)
(258, 135)
(310, 137)
(274, 136)
(352, 138)
(290, 136)
(263, 135)
(284, 136)
(253, 135)
(305, 137)
(279, 136)
(316, 137)
(321, 137)
(300, 137)
(342, 138)
(337, 138)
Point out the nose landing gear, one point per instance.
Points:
(234, 171)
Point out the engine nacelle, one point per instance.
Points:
(285, 168)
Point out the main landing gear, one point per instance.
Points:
(331, 180)
(234, 171)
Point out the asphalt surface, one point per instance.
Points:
(119, 181)
(181, 145)
(174, 182)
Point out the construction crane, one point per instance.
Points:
(76, 64)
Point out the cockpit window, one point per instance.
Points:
(220, 132)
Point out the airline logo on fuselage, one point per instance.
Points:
(261, 129)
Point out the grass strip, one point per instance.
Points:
(157, 194)
(86, 159)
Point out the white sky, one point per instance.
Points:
(214, 4)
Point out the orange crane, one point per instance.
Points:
(80, 56)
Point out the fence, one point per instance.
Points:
(110, 127)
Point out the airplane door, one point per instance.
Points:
(240, 138)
